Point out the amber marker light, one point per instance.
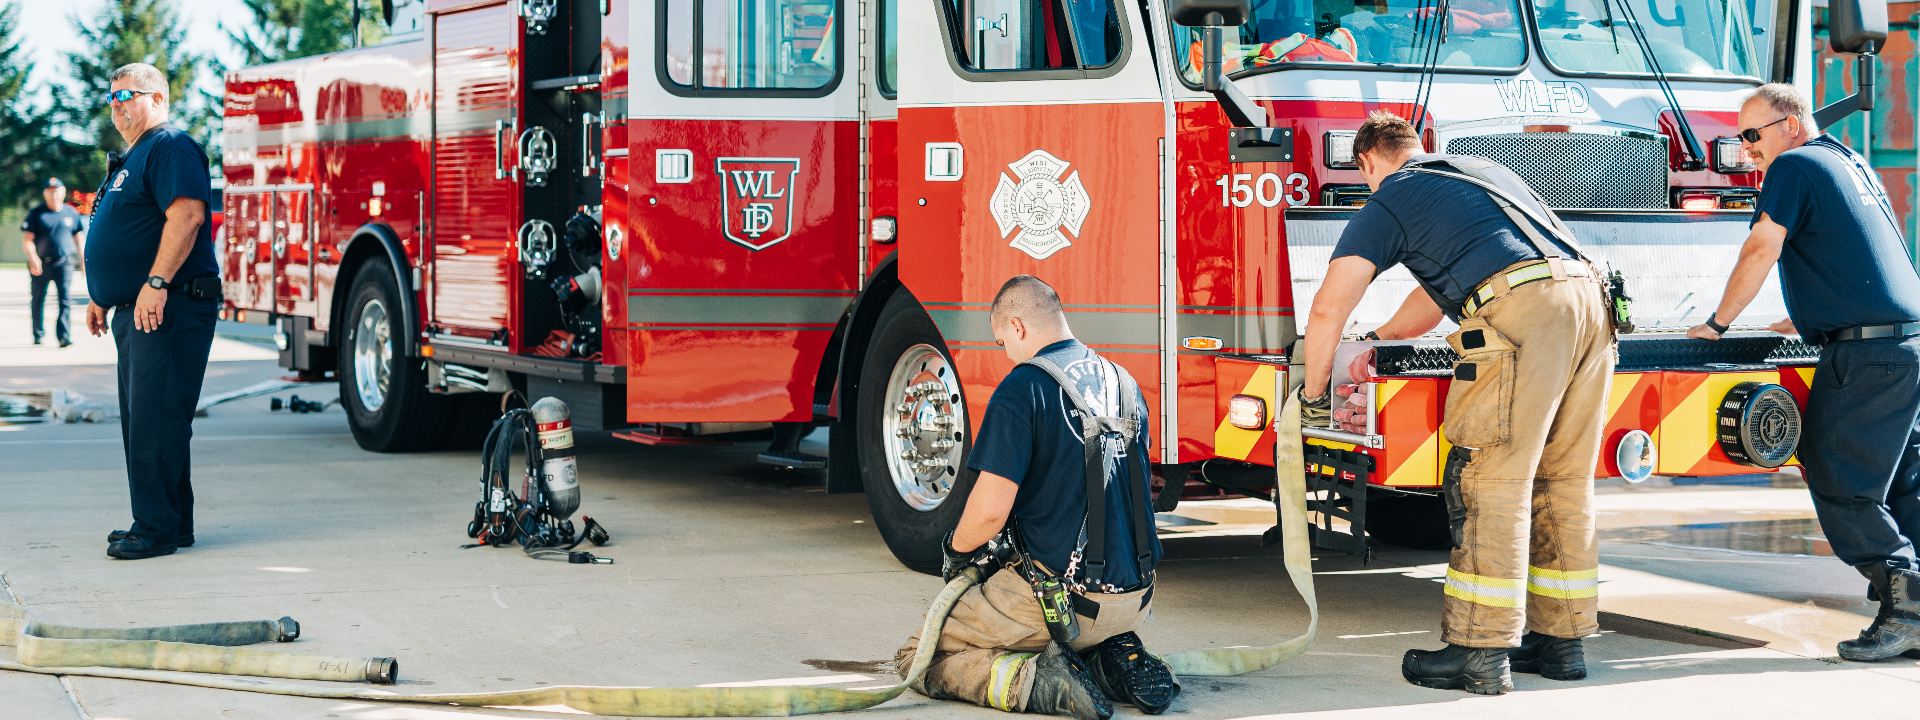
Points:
(1247, 412)
(1202, 343)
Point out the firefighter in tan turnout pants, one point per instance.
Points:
(1525, 410)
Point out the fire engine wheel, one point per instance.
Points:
(913, 434)
(385, 394)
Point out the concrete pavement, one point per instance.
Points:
(730, 571)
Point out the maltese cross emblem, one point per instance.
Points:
(1035, 204)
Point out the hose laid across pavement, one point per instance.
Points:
(201, 648)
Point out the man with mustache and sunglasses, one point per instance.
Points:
(1850, 288)
(151, 260)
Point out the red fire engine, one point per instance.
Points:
(694, 217)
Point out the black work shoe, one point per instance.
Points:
(1061, 687)
(117, 535)
(1549, 657)
(1126, 672)
(1896, 628)
(1481, 671)
(65, 342)
(135, 547)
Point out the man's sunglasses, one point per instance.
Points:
(1752, 135)
(125, 95)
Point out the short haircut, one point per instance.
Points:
(1386, 132)
(146, 78)
(1786, 100)
(1030, 299)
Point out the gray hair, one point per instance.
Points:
(146, 78)
(1786, 100)
(1030, 299)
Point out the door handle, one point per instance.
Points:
(501, 170)
(588, 163)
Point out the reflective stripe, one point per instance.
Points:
(1482, 590)
(1006, 670)
(1541, 271)
(1563, 584)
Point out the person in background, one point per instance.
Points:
(55, 237)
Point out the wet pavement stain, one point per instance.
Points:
(869, 667)
(1786, 538)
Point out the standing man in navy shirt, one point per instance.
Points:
(995, 649)
(53, 235)
(1850, 288)
(153, 265)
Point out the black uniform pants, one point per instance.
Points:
(1861, 450)
(60, 274)
(160, 374)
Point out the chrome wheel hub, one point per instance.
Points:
(372, 355)
(925, 426)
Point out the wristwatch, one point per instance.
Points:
(156, 282)
(1718, 329)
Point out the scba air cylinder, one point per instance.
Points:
(559, 473)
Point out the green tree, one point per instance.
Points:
(148, 31)
(31, 147)
(284, 29)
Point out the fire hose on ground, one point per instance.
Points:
(176, 654)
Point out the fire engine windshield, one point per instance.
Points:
(750, 44)
(1688, 37)
(1279, 33)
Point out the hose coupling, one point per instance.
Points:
(383, 671)
(286, 629)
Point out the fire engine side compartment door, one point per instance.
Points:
(476, 208)
(743, 220)
(293, 251)
(242, 229)
(1029, 142)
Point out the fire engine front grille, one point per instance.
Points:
(1580, 170)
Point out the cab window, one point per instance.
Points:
(1366, 33)
(749, 47)
(889, 48)
(991, 35)
(1724, 38)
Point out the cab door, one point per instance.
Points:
(1029, 143)
(743, 205)
(476, 198)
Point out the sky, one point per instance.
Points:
(47, 31)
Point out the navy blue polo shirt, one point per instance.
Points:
(1448, 233)
(165, 165)
(1843, 263)
(53, 230)
(1028, 436)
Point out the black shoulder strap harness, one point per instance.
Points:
(1094, 429)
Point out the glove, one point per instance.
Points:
(1316, 412)
(953, 562)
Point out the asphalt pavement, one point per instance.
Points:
(1717, 601)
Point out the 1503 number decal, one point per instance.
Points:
(1241, 190)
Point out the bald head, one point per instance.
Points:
(1027, 317)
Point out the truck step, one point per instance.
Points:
(661, 435)
(796, 460)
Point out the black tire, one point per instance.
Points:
(469, 417)
(405, 417)
(913, 534)
(1417, 522)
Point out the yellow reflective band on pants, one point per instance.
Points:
(1563, 584)
(1492, 592)
(1006, 672)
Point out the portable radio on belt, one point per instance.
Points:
(1056, 606)
(1619, 306)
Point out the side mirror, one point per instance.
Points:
(1233, 13)
(386, 12)
(1856, 26)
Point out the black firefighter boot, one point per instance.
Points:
(1061, 687)
(1123, 668)
(1481, 671)
(1550, 657)
(1896, 629)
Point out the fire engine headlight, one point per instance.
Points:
(1339, 149)
(1699, 201)
(1247, 412)
(1730, 158)
(885, 229)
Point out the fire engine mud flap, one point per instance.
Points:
(617, 701)
(1290, 496)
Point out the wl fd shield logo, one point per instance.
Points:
(1040, 204)
(757, 199)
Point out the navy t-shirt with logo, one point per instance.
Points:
(1029, 436)
(53, 230)
(1844, 263)
(1448, 233)
(131, 210)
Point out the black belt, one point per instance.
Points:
(1874, 332)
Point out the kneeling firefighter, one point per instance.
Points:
(1526, 408)
(1062, 451)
